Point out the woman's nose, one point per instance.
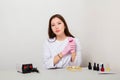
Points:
(56, 27)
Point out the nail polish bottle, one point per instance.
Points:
(97, 67)
(107, 68)
(89, 66)
(102, 68)
(94, 67)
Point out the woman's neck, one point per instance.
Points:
(61, 38)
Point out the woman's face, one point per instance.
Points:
(57, 26)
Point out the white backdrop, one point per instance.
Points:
(24, 26)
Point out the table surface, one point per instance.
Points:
(58, 74)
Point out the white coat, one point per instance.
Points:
(53, 47)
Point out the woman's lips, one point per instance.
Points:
(57, 31)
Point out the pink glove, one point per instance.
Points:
(66, 49)
(72, 44)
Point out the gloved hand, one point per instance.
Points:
(72, 44)
(66, 49)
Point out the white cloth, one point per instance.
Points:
(53, 47)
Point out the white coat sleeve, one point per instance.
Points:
(48, 59)
(78, 58)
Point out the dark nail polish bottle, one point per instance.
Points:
(89, 66)
(94, 67)
(97, 67)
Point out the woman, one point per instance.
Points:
(62, 49)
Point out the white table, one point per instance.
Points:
(58, 74)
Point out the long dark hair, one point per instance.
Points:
(66, 31)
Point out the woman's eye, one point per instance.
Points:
(59, 23)
(52, 25)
